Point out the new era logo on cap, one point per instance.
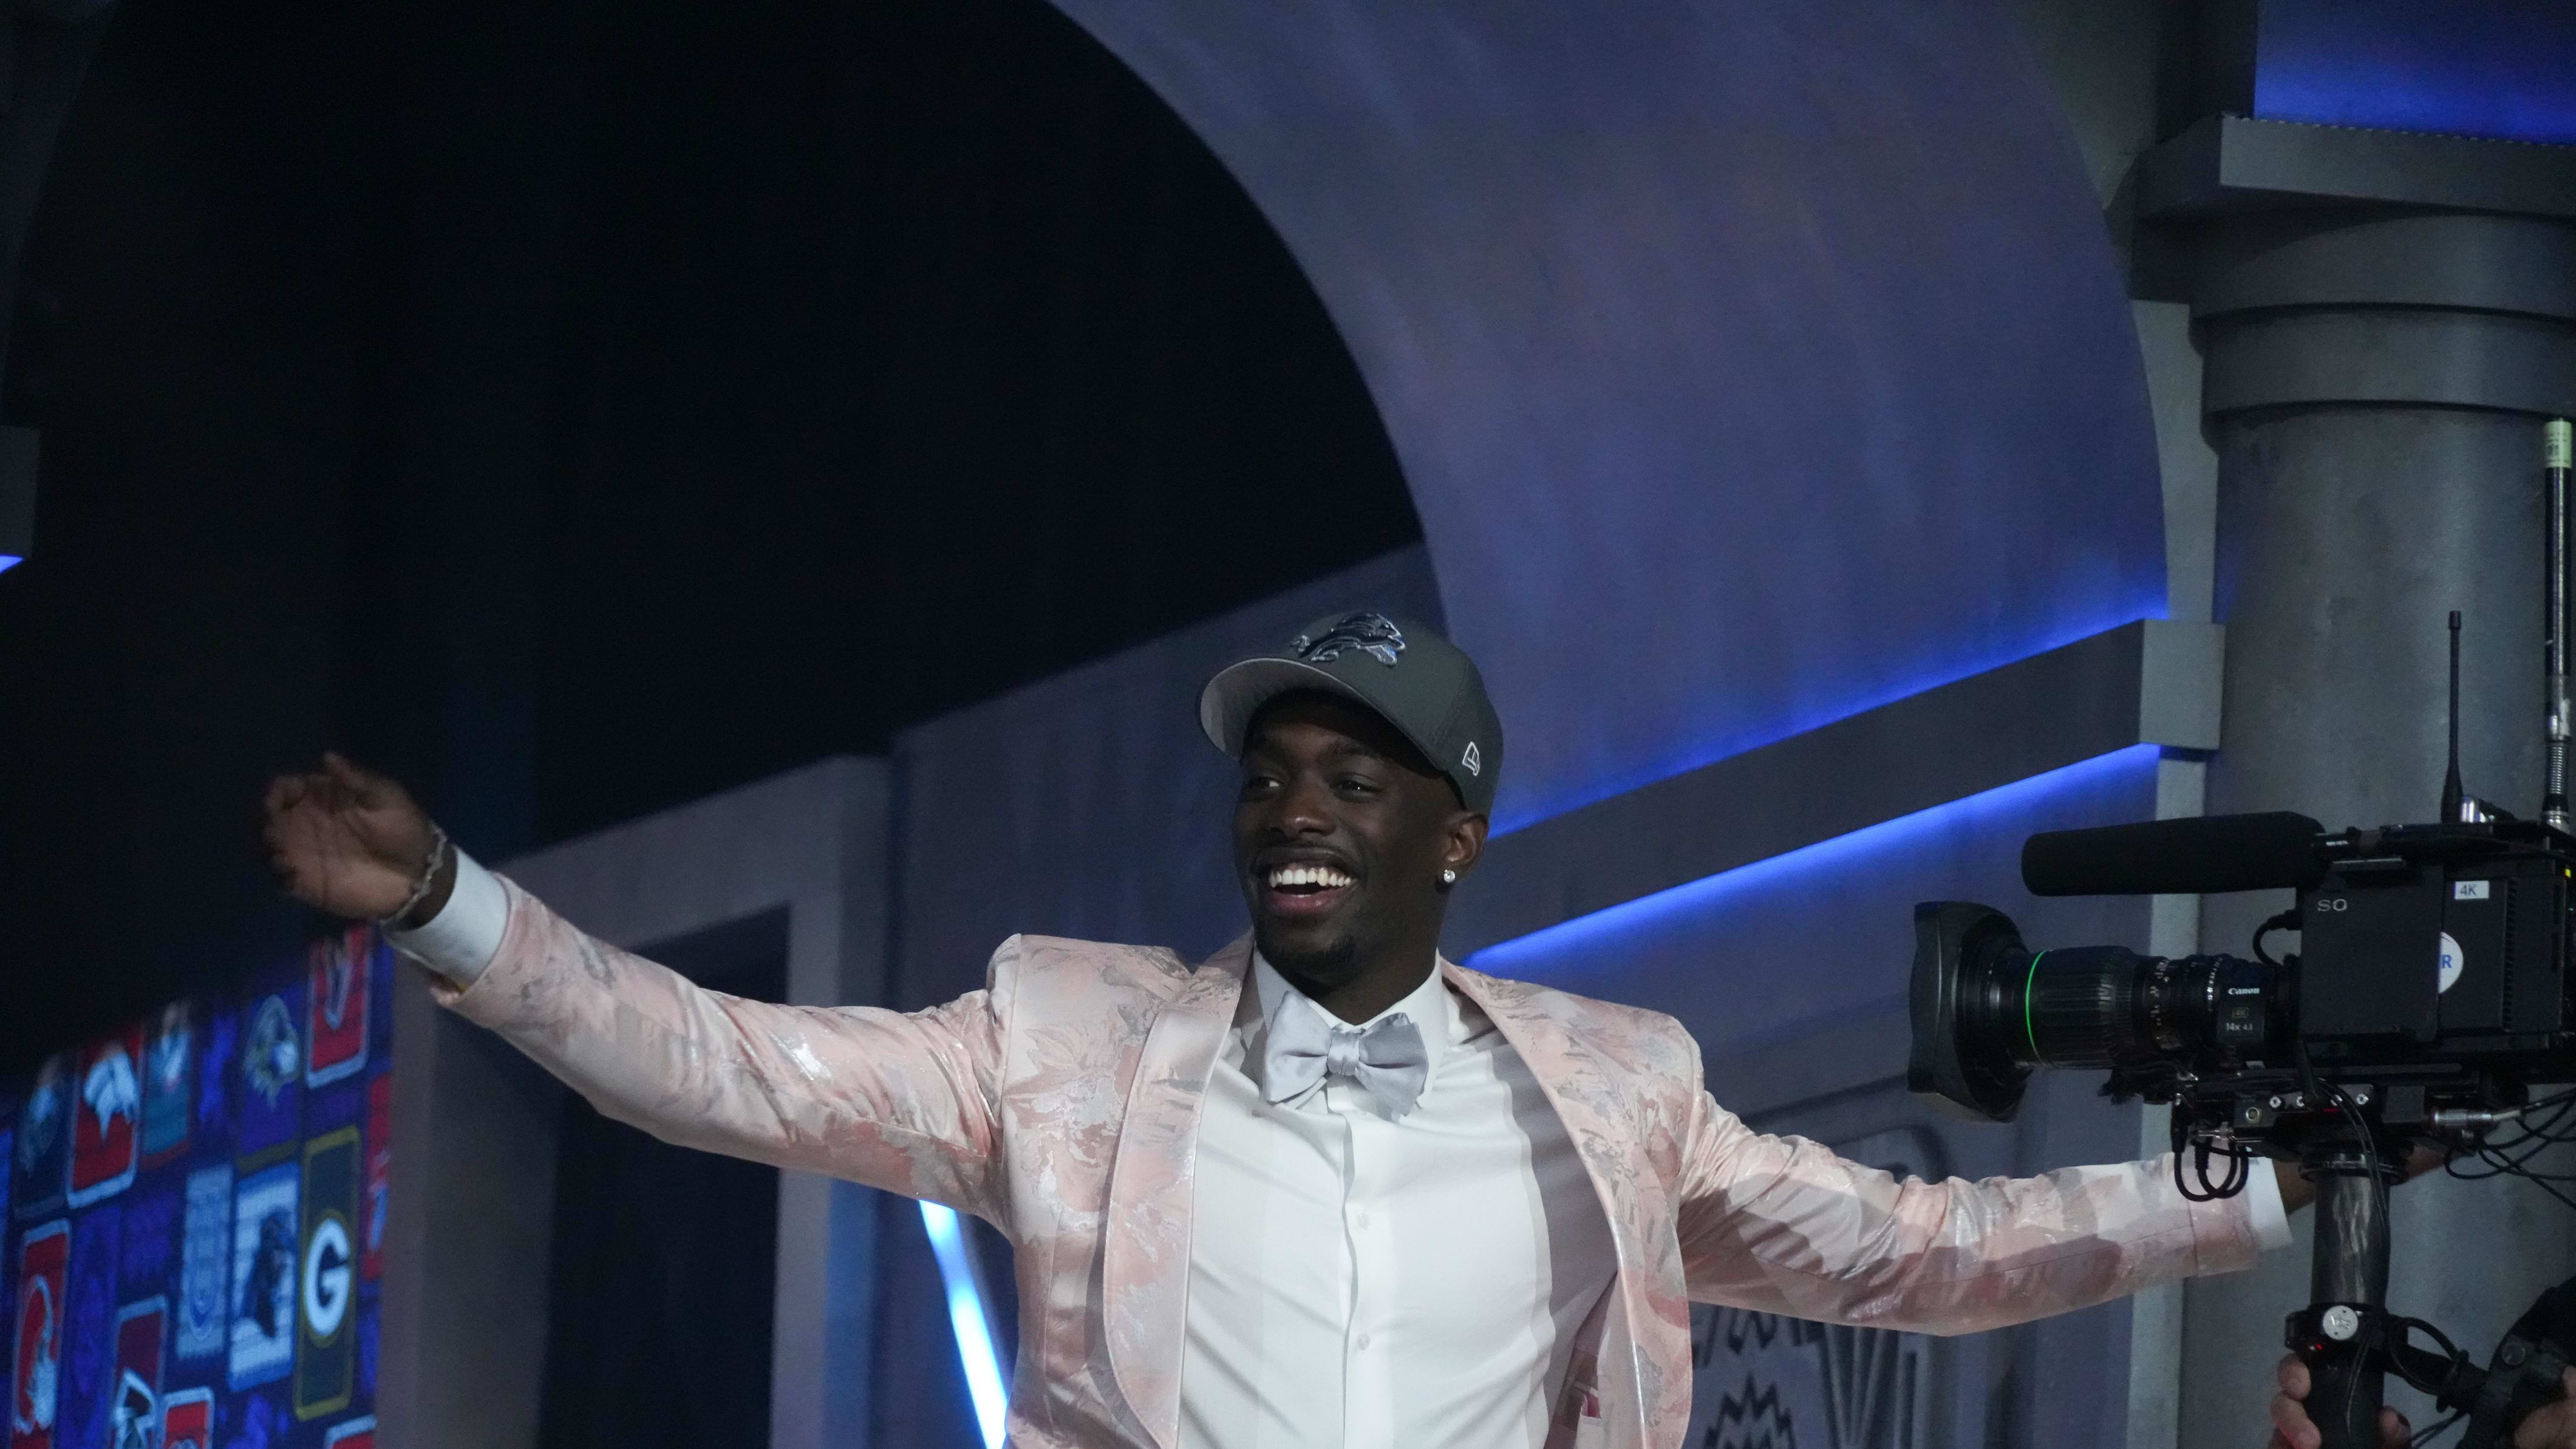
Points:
(1410, 676)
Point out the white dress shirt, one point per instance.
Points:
(1361, 1282)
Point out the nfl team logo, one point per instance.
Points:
(188, 1419)
(380, 1172)
(336, 1006)
(40, 1161)
(169, 1073)
(260, 1348)
(271, 1104)
(107, 1118)
(44, 1265)
(134, 1393)
(205, 1262)
(326, 1347)
(355, 1434)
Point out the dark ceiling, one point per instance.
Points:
(581, 406)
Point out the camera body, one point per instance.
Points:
(2486, 911)
(2433, 972)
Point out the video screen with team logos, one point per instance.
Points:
(195, 1208)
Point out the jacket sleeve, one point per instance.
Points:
(1781, 1225)
(900, 1101)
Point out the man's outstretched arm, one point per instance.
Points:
(903, 1102)
(1785, 1225)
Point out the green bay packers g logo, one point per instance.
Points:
(327, 1272)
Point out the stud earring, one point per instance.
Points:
(1448, 877)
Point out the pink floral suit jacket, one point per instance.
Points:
(1060, 1103)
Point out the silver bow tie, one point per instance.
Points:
(1385, 1060)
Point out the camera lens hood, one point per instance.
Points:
(1957, 944)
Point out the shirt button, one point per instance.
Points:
(1364, 1340)
(1364, 1220)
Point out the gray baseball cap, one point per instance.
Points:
(1415, 680)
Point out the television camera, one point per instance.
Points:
(2431, 996)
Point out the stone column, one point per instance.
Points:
(2380, 358)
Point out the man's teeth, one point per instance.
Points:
(1326, 876)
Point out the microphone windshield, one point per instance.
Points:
(2198, 856)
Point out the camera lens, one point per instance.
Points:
(2062, 1008)
(1988, 1010)
(2105, 1006)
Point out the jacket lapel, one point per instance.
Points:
(1589, 1095)
(1145, 1255)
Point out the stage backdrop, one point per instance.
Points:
(195, 1208)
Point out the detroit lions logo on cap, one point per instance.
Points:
(1371, 634)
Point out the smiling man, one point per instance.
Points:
(1325, 1187)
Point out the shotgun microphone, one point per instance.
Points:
(2197, 856)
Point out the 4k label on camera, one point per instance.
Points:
(326, 1344)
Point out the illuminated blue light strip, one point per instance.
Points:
(966, 1316)
(1524, 956)
(9, 561)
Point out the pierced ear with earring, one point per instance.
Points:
(1448, 877)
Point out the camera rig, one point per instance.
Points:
(2431, 993)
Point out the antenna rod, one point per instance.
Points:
(2451, 791)
(2558, 629)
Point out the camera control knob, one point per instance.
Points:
(2340, 1323)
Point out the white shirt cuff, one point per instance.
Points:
(2263, 1200)
(462, 938)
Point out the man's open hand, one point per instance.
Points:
(345, 840)
(2552, 1426)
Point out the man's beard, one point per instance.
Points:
(1329, 966)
